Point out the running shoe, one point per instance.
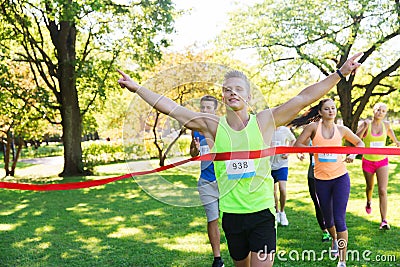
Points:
(284, 221)
(218, 263)
(384, 225)
(326, 237)
(368, 208)
(341, 264)
(278, 217)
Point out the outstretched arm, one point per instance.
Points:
(391, 134)
(287, 111)
(193, 120)
(307, 134)
(362, 129)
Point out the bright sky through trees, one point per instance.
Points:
(204, 20)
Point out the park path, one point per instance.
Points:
(57, 160)
(41, 167)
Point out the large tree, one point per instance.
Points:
(299, 39)
(72, 47)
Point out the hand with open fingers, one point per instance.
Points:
(351, 65)
(300, 156)
(126, 82)
(350, 158)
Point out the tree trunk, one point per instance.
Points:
(7, 151)
(20, 143)
(159, 149)
(346, 107)
(72, 130)
(164, 157)
(70, 111)
(344, 92)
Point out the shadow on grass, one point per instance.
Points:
(120, 225)
(112, 225)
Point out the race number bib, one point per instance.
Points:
(240, 168)
(325, 157)
(377, 144)
(204, 150)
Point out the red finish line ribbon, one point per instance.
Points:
(208, 157)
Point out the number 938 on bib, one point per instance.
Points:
(239, 169)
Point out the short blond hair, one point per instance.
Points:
(238, 74)
(378, 105)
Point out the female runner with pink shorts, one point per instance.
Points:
(374, 134)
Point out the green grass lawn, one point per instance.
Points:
(160, 222)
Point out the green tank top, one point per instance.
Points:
(245, 185)
(375, 141)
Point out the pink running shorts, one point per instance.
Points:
(372, 166)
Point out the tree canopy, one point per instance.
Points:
(297, 41)
(72, 48)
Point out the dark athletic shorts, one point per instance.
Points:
(280, 174)
(249, 232)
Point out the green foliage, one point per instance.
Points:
(184, 144)
(90, 125)
(16, 115)
(300, 42)
(72, 48)
(42, 151)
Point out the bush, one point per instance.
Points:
(43, 151)
(102, 152)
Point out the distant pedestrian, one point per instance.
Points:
(280, 171)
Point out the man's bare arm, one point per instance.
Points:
(287, 111)
(193, 120)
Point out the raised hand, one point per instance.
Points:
(127, 82)
(351, 65)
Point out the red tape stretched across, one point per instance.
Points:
(212, 156)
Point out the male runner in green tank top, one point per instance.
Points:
(246, 186)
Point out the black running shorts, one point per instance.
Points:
(249, 232)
